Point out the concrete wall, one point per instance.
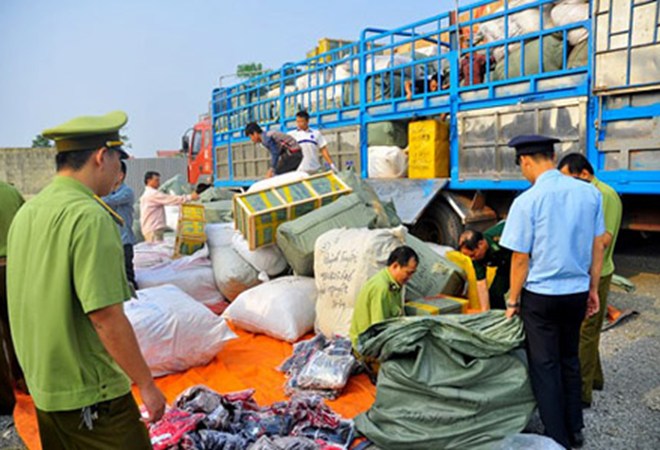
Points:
(31, 169)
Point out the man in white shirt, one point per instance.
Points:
(152, 207)
(312, 142)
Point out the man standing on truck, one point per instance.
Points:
(485, 251)
(577, 166)
(66, 287)
(555, 231)
(10, 372)
(285, 153)
(121, 200)
(312, 142)
(152, 207)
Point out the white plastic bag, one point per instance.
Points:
(193, 274)
(344, 259)
(565, 12)
(269, 259)
(174, 331)
(278, 180)
(387, 162)
(528, 442)
(232, 273)
(284, 308)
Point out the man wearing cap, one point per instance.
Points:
(152, 207)
(10, 372)
(66, 285)
(576, 165)
(555, 230)
(285, 153)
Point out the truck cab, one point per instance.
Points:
(197, 145)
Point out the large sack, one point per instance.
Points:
(150, 254)
(268, 259)
(388, 133)
(386, 211)
(344, 260)
(137, 229)
(177, 185)
(278, 180)
(434, 275)
(387, 162)
(172, 216)
(565, 12)
(579, 56)
(219, 235)
(297, 238)
(174, 331)
(232, 273)
(283, 308)
(449, 381)
(214, 194)
(193, 274)
(220, 211)
(553, 48)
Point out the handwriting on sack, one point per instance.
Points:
(337, 279)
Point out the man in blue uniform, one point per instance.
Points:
(555, 230)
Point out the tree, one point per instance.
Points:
(249, 70)
(40, 141)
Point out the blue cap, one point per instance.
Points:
(530, 144)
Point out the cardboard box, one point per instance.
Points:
(428, 149)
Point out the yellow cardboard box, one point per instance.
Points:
(428, 149)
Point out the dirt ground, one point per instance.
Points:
(626, 414)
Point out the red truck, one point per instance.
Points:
(197, 144)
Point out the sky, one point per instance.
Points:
(158, 60)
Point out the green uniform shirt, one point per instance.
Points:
(496, 256)
(612, 210)
(376, 302)
(65, 259)
(10, 201)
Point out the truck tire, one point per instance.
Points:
(439, 224)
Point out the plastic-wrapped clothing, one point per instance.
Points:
(284, 443)
(200, 399)
(169, 430)
(449, 381)
(342, 435)
(319, 366)
(212, 440)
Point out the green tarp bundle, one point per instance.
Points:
(388, 133)
(553, 49)
(446, 382)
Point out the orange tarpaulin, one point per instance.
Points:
(247, 362)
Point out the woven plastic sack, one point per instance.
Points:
(174, 331)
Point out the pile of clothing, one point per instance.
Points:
(202, 419)
(319, 366)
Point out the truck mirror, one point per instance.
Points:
(185, 144)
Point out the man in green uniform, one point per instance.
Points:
(577, 166)
(66, 284)
(10, 372)
(381, 297)
(484, 250)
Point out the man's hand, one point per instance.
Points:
(194, 196)
(270, 173)
(154, 401)
(512, 310)
(593, 303)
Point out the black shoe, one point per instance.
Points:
(576, 439)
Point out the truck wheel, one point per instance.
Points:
(439, 224)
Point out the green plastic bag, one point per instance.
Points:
(446, 382)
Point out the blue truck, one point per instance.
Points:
(587, 73)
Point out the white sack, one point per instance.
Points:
(344, 259)
(149, 254)
(219, 235)
(278, 180)
(268, 259)
(193, 274)
(387, 162)
(232, 273)
(284, 308)
(174, 331)
(571, 11)
(172, 216)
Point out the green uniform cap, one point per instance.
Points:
(89, 132)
